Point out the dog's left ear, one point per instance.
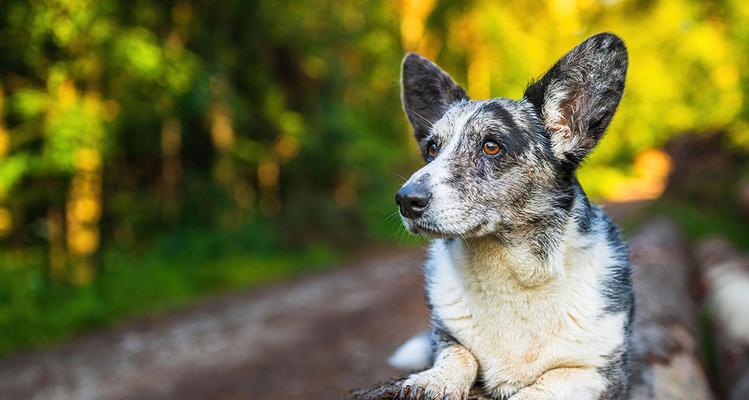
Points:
(578, 96)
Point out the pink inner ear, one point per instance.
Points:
(562, 130)
(560, 122)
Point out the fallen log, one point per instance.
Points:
(665, 362)
(389, 391)
(725, 277)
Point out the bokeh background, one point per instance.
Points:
(153, 153)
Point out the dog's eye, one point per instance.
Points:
(432, 150)
(491, 148)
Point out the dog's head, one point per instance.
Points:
(500, 165)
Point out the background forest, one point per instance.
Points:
(154, 152)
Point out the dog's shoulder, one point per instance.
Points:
(616, 287)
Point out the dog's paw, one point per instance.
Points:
(434, 384)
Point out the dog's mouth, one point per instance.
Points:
(418, 228)
(428, 229)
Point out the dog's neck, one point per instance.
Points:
(530, 254)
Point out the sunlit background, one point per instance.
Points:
(153, 153)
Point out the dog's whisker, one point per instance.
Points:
(430, 123)
(392, 216)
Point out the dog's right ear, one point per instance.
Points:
(427, 92)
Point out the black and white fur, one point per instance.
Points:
(528, 283)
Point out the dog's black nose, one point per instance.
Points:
(413, 199)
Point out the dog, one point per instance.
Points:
(528, 284)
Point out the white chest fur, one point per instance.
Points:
(515, 331)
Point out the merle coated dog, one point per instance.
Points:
(528, 283)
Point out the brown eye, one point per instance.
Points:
(433, 150)
(491, 148)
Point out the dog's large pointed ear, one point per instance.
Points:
(427, 92)
(578, 96)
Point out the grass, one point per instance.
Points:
(175, 271)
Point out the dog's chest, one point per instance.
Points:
(518, 333)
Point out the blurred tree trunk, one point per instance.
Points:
(171, 166)
(83, 210)
(665, 362)
(56, 239)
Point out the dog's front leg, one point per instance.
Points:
(565, 384)
(451, 377)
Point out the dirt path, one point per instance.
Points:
(310, 339)
(313, 338)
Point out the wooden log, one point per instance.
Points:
(389, 391)
(665, 362)
(725, 277)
